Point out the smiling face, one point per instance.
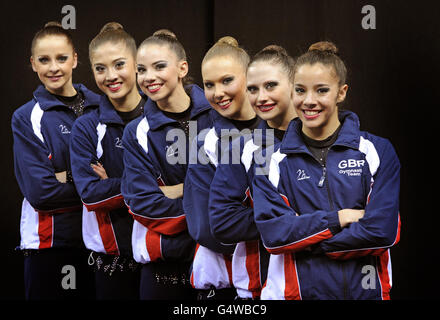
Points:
(224, 81)
(270, 93)
(53, 59)
(316, 94)
(115, 71)
(160, 72)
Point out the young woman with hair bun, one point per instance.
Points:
(329, 205)
(224, 78)
(156, 159)
(97, 164)
(270, 92)
(50, 226)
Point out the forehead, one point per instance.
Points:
(110, 51)
(151, 53)
(316, 73)
(261, 71)
(217, 67)
(53, 44)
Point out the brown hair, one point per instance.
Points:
(277, 55)
(227, 46)
(324, 52)
(52, 28)
(112, 32)
(166, 37)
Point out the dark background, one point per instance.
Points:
(392, 87)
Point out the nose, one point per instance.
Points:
(148, 76)
(110, 75)
(262, 97)
(54, 67)
(309, 100)
(218, 93)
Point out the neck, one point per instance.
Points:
(246, 112)
(66, 91)
(323, 132)
(128, 102)
(177, 101)
(282, 121)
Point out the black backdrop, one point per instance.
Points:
(392, 73)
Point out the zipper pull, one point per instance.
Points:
(321, 181)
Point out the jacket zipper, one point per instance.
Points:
(324, 181)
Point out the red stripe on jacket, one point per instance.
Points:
(384, 277)
(152, 240)
(302, 244)
(106, 232)
(168, 226)
(45, 230)
(45, 224)
(291, 290)
(253, 267)
(109, 204)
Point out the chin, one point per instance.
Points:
(55, 89)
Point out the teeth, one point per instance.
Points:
(224, 103)
(114, 85)
(154, 87)
(310, 112)
(267, 106)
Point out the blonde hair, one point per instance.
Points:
(227, 46)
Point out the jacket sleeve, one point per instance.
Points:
(96, 194)
(35, 173)
(282, 229)
(140, 188)
(379, 229)
(231, 219)
(198, 180)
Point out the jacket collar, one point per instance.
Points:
(220, 123)
(47, 100)
(107, 112)
(156, 118)
(349, 135)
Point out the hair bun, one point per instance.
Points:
(110, 26)
(228, 40)
(165, 33)
(325, 46)
(273, 48)
(53, 24)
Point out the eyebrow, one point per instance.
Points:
(160, 61)
(316, 85)
(121, 58)
(48, 55)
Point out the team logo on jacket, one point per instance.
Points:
(351, 167)
(301, 175)
(63, 129)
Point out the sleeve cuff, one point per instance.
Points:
(333, 222)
